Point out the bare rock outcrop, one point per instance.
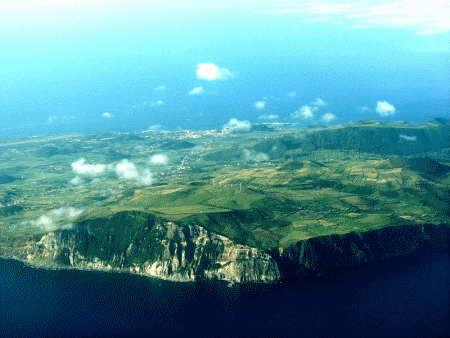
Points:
(140, 243)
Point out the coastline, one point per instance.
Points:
(81, 268)
(306, 258)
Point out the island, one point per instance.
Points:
(262, 205)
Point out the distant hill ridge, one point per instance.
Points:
(370, 136)
(5, 178)
(424, 165)
(177, 144)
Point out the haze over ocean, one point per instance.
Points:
(92, 66)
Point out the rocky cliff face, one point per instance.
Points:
(316, 256)
(139, 243)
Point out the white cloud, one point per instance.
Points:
(154, 127)
(260, 104)
(82, 168)
(251, 155)
(68, 226)
(159, 159)
(106, 115)
(433, 31)
(51, 119)
(268, 117)
(328, 117)
(314, 9)
(235, 124)
(127, 171)
(157, 103)
(407, 138)
(385, 108)
(66, 213)
(53, 218)
(425, 18)
(196, 91)
(319, 102)
(292, 94)
(198, 149)
(211, 72)
(306, 112)
(124, 170)
(77, 180)
(160, 88)
(364, 109)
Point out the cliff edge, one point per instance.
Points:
(140, 243)
(137, 242)
(316, 256)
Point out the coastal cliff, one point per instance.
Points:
(140, 243)
(137, 242)
(318, 255)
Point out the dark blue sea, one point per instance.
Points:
(402, 297)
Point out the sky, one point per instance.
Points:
(95, 66)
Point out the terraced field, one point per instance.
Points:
(234, 184)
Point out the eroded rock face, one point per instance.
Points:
(318, 255)
(150, 247)
(138, 242)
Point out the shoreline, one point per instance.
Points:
(60, 268)
(329, 272)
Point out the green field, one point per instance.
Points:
(264, 189)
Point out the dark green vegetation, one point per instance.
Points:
(382, 138)
(423, 165)
(49, 151)
(177, 145)
(4, 178)
(266, 189)
(114, 234)
(261, 127)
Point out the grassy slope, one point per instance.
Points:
(302, 193)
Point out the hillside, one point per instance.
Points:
(382, 138)
(233, 206)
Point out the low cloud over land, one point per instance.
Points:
(125, 170)
(251, 155)
(235, 124)
(82, 168)
(77, 180)
(160, 159)
(54, 218)
(407, 138)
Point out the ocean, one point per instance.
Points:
(64, 67)
(406, 296)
